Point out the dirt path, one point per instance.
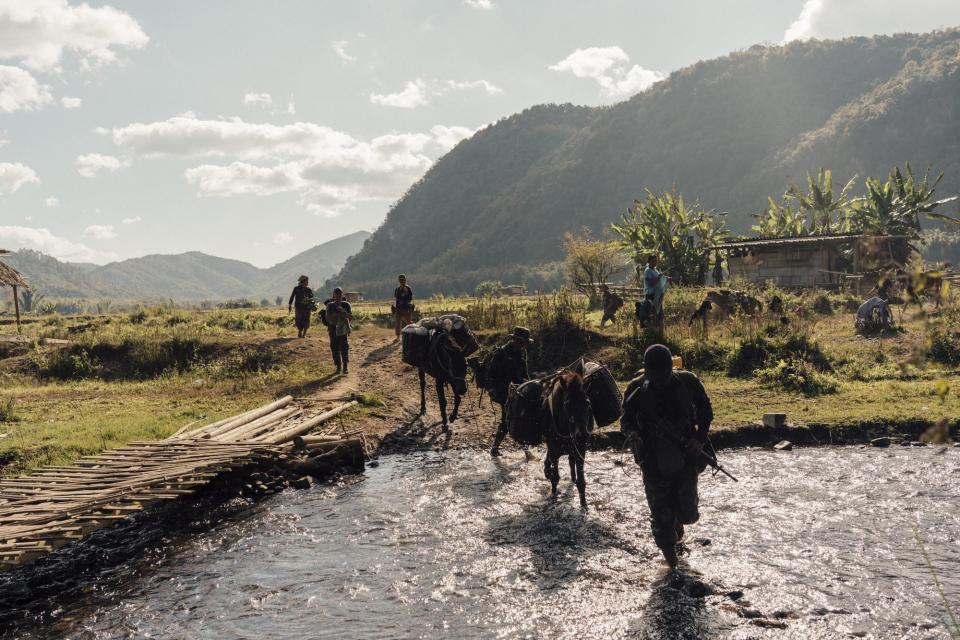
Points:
(376, 369)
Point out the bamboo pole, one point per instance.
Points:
(249, 429)
(301, 442)
(16, 307)
(253, 415)
(305, 426)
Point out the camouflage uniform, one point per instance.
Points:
(665, 418)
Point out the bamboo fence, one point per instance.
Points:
(56, 505)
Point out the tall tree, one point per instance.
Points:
(682, 236)
(591, 261)
(826, 214)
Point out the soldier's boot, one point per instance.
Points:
(337, 362)
(346, 360)
(670, 555)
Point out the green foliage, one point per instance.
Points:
(591, 261)
(757, 352)
(488, 288)
(822, 305)
(684, 237)
(30, 300)
(944, 346)
(799, 377)
(7, 413)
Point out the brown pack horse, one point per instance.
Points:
(567, 422)
(727, 302)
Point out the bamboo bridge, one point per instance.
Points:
(56, 505)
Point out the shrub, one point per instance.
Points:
(944, 347)
(823, 306)
(758, 352)
(74, 363)
(7, 413)
(138, 317)
(799, 377)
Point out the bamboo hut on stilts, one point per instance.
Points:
(10, 277)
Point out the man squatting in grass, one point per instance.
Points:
(509, 365)
(403, 305)
(666, 415)
(339, 315)
(300, 300)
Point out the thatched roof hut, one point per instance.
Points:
(10, 277)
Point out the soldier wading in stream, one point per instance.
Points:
(666, 415)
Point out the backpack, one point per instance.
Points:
(492, 374)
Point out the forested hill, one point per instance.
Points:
(184, 276)
(728, 132)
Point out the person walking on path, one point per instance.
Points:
(666, 417)
(301, 302)
(508, 365)
(611, 304)
(339, 315)
(403, 305)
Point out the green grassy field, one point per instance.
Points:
(146, 373)
(142, 375)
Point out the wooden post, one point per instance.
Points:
(16, 306)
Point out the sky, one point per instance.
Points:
(255, 130)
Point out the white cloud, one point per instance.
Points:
(71, 103)
(14, 175)
(419, 92)
(329, 170)
(842, 18)
(100, 232)
(610, 68)
(414, 94)
(340, 48)
(37, 32)
(51, 202)
(489, 88)
(262, 100)
(282, 238)
(20, 91)
(133, 220)
(44, 241)
(91, 164)
(479, 4)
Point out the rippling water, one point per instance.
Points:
(819, 541)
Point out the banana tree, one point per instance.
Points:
(780, 220)
(681, 235)
(827, 213)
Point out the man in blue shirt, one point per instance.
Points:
(654, 285)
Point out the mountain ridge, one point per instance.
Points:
(728, 132)
(191, 275)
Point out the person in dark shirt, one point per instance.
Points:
(339, 315)
(666, 417)
(301, 301)
(403, 305)
(511, 367)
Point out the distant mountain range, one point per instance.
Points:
(185, 276)
(728, 132)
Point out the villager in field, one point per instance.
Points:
(611, 304)
(301, 301)
(338, 316)
(650, 309)
(666, 416)
(718, 270)
(506, 365)
(874, 316)
(403, 305)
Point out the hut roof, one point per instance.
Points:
(801, 240)
(11, 277)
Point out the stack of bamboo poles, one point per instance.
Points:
(55, 505)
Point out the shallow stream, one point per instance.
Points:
(812, 543)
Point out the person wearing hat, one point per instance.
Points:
(510, 366)
(339, 315)
(301, 300)
(666, 416)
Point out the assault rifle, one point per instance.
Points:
(710, 457)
